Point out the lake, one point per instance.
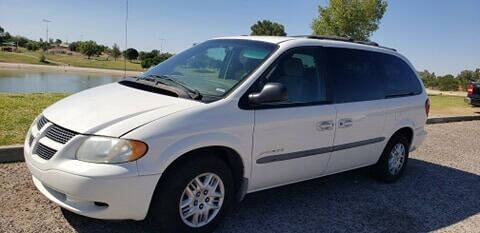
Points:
(16, 81)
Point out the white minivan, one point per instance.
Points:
(183, 141)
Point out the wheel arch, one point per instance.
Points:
(406, 131)
(227, 154)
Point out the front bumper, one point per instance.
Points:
(103, 191)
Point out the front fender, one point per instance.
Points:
(160, 157)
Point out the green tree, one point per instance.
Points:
(32, 45)
(115, 51)
(467, 76)
(58, 41)
(152, 61)
(357, 19)
(20, 40)
(145, 55)
(131, 54)
(43, 45)
(429, 79)
(6, 37)
(1, 34)
(267, 28)
(75, 46)
(448, 83)
(89, 48)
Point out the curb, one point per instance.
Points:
(439, 120)
(12, 153)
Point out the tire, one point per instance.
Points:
(388, 168)
(165, 210)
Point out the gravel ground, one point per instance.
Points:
(440, 191)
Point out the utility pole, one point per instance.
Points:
(46, 21)
(161, 44)
(126, 33)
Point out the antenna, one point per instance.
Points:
(126, 33)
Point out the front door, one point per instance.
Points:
(293, 139)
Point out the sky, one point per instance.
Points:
(438, 35)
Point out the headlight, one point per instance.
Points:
(98, 149)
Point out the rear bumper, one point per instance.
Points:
(419, 136)
(472, 101)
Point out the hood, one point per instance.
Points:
(113, 109)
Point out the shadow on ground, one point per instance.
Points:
(427, 198)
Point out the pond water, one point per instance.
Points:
(37, 81)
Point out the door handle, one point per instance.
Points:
(325, 125)
(344, 123)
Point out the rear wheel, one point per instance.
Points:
(194, 196)
(393, 161)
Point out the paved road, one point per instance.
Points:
(439, 192)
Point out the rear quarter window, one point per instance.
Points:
(400, 78)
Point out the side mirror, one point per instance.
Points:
(270, 93)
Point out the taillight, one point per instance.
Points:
(470, 89)
(427, 107)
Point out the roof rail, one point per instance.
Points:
(344, 39)
(323, 37)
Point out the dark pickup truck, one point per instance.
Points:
(473, 94)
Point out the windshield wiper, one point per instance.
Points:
(193, 93)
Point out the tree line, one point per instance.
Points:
(449, 82)
(88, 48)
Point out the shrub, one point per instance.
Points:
(42, 58)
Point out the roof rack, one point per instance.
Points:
(344, 39)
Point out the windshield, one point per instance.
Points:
(214, 67)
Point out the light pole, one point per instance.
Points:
(46, 21)
(161, 44)
(126, 33)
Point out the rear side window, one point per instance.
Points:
(354, 75)
(400, 78)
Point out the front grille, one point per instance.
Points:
(53, 132)
(41, 122)
(44, 152)
(60, 134)
(30, 140)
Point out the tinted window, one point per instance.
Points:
(299, 71)
(401, 80)
(354, 75)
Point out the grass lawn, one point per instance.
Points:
(19, 58)
(17, 111)
(451, 105)
(100, 63)
(73, 60)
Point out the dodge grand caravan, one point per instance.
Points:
(183, 141)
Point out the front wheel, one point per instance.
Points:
(393, 161)
(194, 196)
